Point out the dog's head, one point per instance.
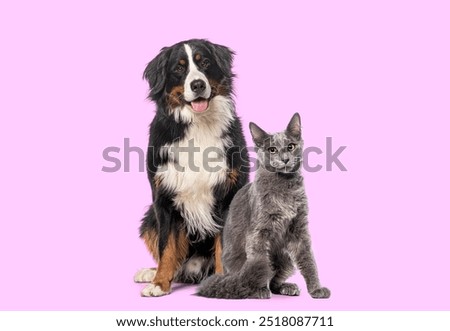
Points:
(189, 74)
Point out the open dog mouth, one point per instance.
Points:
(199, 105)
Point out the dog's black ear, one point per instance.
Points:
(156, 73)
(223, 57)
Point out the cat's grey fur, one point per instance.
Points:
(266, 231)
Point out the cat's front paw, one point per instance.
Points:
(320, 293)
(286, 289)
(262, 293)
(289, 289)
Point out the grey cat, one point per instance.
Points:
(266, 231)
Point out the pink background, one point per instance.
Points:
(374, 75)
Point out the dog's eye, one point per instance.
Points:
(179, 69)
(205, 63)
(291, 147)
(272, 150)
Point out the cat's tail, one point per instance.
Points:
(251, 282)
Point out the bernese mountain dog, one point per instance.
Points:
(196, 162)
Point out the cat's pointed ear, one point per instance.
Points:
(258, 134)
(294, 126)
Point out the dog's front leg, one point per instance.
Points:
(173, 247)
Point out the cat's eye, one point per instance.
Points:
(179, 69)
(272, 150)
(291, 147)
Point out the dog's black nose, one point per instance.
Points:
(198, 86)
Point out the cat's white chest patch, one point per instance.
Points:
(198, 163)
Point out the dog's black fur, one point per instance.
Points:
(163, 227)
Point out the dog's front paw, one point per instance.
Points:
(153, 290)
(320, 293)
(145, 275)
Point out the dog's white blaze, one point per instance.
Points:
(192, 75)
(193, 188)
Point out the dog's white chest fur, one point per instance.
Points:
(197, 163)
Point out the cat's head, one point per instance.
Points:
(279, 152)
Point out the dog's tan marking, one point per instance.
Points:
(197, 57)
(151, 241)
(218, 254)
(173, 255)
(182, 62)
(218, 89)
(158, 181)
(233, 176)
(174, 97)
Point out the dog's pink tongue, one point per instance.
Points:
(199, 106)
